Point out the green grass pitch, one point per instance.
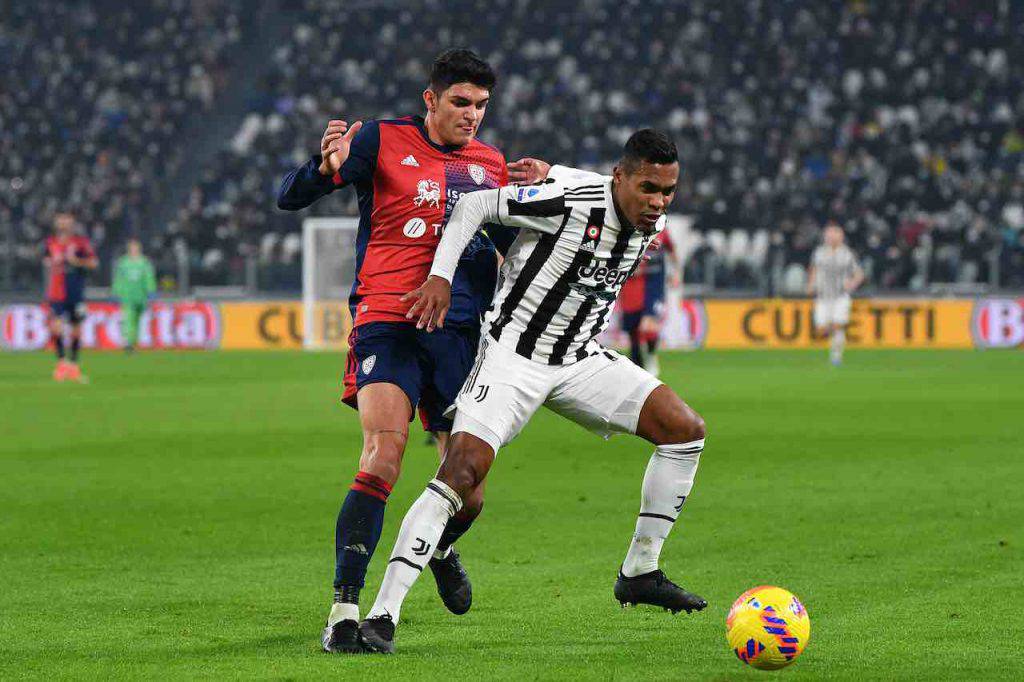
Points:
(175, 518)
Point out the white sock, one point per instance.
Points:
(667, 482)
(838, 342)
(421, 529)
(340, 612)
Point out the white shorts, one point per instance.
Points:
(829, 311)
(603, 393)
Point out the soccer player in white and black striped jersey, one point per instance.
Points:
(834, 275)
(581, 236)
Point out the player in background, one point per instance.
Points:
(68, 257)
(408, 174)
(833, 276)
(134, 284)
(580, 239)
(642, 302)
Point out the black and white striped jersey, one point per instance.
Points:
(832, 269)
(562, 275)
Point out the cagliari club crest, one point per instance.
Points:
(368, 364)
(477, 173)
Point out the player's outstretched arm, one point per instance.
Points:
(433, 298)
(316, 178)
(536, 207)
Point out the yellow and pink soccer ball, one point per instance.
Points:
(767, 627)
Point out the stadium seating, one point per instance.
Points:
(900, 120)
(94, 94)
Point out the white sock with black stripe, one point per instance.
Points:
(667, 483)
(421, 529)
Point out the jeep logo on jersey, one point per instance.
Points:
(998, 323)
(428, 192)
(477, 173)
(414, 228)
(602, 275)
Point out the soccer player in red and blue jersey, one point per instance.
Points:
(641, 303)
(408, 174)
(68, 257)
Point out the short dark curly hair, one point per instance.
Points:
(459, 65)
(652, 146)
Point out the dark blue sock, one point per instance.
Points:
(356, 534)
(636, 353)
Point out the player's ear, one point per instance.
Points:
(430, 99)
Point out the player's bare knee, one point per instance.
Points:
(694, 427)
(460, 475)
(464, 467)
(382, 454)
(666, 419)
(680, 425)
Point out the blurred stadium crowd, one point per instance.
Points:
(93, 96)
(904, 121)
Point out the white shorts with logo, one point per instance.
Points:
(603, 393)
(831, 311)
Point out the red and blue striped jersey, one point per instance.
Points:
(407, 187)
(66, 281)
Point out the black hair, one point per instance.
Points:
(652, 146)
(460, 65)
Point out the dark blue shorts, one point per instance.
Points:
(72, 308)
(430, 368)
(631, 321)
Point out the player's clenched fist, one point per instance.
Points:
(335, 145)
(433, 299)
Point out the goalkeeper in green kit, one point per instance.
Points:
(134, 283)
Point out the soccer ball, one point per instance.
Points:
(767, 627)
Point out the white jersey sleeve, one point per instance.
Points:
(539, 207)
(567, 175)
